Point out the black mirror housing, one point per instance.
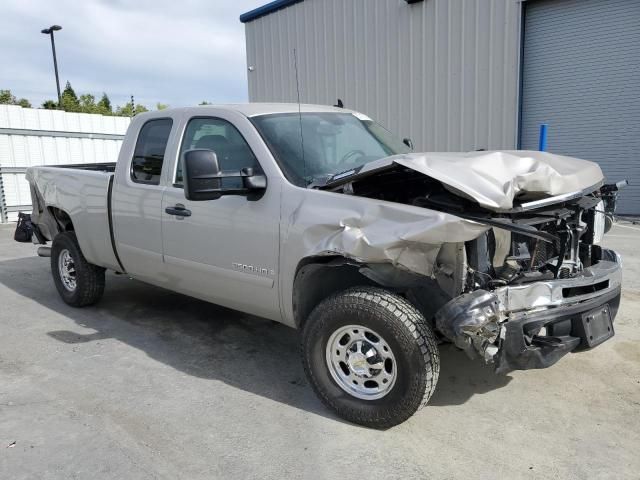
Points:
(201, 173)
(203, 178)
(408, 142)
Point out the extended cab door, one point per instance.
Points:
(137, 196)
(224, 250)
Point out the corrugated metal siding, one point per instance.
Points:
(581, 75)
(31, 146)
(443, 72)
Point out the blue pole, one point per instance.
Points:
(542, 145)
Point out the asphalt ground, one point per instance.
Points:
(153, 384)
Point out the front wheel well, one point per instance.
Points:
(319, 277)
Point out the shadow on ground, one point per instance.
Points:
(208, 341)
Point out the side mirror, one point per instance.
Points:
(408, 142)
(203, 179)
(253, 181)
(201, 174)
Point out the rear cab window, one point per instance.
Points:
(150, 150)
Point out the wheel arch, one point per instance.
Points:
(62, 219)
(318, 277)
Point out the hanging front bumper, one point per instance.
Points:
(533, 325)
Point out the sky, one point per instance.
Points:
(174, 52)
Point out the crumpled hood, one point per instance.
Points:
(494, 179)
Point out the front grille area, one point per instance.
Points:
(530, 253)
(501, 256)
(583, 290)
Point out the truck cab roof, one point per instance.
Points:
(248, 109)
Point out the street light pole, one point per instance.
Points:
(49, 31)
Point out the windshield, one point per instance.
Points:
(333, 143)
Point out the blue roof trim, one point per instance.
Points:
(267, 9)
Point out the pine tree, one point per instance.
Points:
(69, 100)
(104, 105)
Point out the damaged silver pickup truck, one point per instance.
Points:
(319, 218)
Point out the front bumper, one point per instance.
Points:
(522, 347)
(533, 325)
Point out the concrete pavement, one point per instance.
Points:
(153, 384)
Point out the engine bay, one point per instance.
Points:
(550, 241)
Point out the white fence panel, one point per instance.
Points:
(31, 137)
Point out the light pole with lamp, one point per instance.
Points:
(49, 31)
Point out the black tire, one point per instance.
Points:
(401, 326)
(89, 278)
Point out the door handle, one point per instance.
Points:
(178, 210)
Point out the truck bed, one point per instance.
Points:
(83, 192)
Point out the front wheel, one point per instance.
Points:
(78, 282)
(370, 356)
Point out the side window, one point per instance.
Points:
(148, 155)
(224, 139)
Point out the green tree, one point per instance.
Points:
(124, 110)
(24, 103)
(88, 103)
(7, 98)
(104, 105)
(85, 103)
(69, 100)
(140, 109)
(204, 102)
(127, 111)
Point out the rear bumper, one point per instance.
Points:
(533, 325)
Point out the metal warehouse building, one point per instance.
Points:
(466, 74)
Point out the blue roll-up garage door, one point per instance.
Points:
(581, 76)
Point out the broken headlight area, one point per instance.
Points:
(532, 325)
(472, 322)
(512, 273)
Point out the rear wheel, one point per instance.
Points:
(370, 356)
(78, 282)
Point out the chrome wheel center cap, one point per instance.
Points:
(358, 364)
